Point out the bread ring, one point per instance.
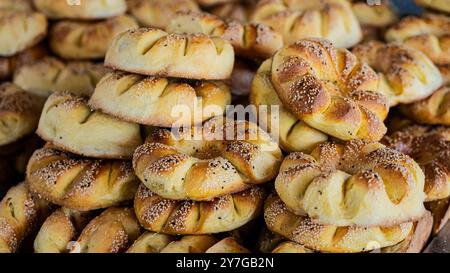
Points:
(19, 113)
(112, 232)
(87, 40)
(291, 247)
(356, 183)
(330, 90)
(430, 147)
(151, 242)
(333, 20)
(50, 75)
(407, 75)
(88, 10)
(252, 40)
(378, 16)
(158, 13)
(294, 134)
(180, 168)
(329, 238)
(20, 214)
(16, 5)
(20, 31)
(153, 100)
(192, 217)
(59, 229)
(68, 123)
(79, 183)
(439, 5)
(151, 51)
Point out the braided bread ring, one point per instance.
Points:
(329, 238)
(333, 20)
(68, 123)
(222, 214)
(154, 52)
(250, 40)
(440, 5)
(180, 168)
(20, 213)
(355, 183)
(330, 90)
(151, 100)
(80, 184)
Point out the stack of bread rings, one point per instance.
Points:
(124, 126)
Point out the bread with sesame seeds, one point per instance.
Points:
(333, 20)
(329, 238)
(330, 90)
(434, 110)
(438, 5)
(229, 156)
(157, 101)
(51, 75)
(87, 10)
(8, 65)
(406, 74)
(113, 231)
(20, 31)
(59, 229)
(158, 13)
(151, 242)
(80, 183)
(227, 245)
(430, 147)
(20, 214)
(76, 40)
(68, 123)
(251, 40)
(294, 135)
(291, 247)
(19, 113)
(355, 183)
(16, 5)
(154, 52)
(222, 214)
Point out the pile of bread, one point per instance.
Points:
(93, 103)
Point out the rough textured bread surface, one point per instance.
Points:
(59, 229)
(114, 231)
(19, 113)
(51, 75)
(250, 40)
(151, 242)
(329, 238)
(407, 75)
(151, 51)
(291, 247)
(20, 30)
(356, 183)
(430, 147)
(190, 244)
(192, 217)
(439, 5)
(158, 13)
(87, 40)
(88, 10)
(378, 16)
(80, 183)
(330, 90)
(227, 245)
(20, 214)
(8, 65)
(68, 123)
(157, 101)
(179, 167)
(333, 20)
(294, 135)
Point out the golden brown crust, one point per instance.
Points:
(227, 245)
(356, 183)
(207, 3)
(68, 123)
(151, 242)
(190, 244)
(20, 213)
(251, 40)
(151, 51)
(80, 183)
(112, 232)
(430, 147)
(181, 167)
(237, 10)
(328, 238)
(50, 75)
(333, 20)
(441, 214)
(153, 100)
(291, 247)
(439, 5)
(192, 217)
(330, 90)
(9, 65)
(379, 16)
(87, 40)
(16, 5)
